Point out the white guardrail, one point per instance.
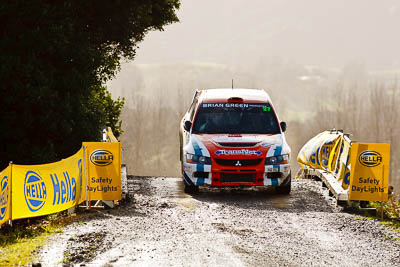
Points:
(330, 181)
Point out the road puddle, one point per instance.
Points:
(279, 201)
(173, 190)
(170, 188)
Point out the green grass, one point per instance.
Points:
(22, 252)
(391, 212)
(395, 225)
(20, 242)
(366, 217)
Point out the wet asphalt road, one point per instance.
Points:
(163, 226)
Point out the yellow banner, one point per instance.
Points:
(110, 135)
(344, 164)
(5, 195)
(334, 154)
(369, 176)
(329, 151)
(44, 189)
(315, 153)
(103, 170)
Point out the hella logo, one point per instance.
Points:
(35, 191)
(370, 158)
(101, 157)
(3, 196)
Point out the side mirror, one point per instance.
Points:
(187, 125)
(283, 126)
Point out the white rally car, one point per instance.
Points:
(233, 137)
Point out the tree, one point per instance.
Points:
(55, 58)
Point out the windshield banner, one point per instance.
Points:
(236, 118)
(44, 189)
(5, 195)
(264, 107)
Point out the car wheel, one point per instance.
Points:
(190, 189)
(286, 186)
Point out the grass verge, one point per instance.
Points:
(19, 244)
(391, 212)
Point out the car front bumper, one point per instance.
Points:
(225, 176)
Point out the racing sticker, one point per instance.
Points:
(246, 152)
(237, 105)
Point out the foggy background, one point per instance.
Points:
(325, 64)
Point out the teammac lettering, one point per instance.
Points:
(238, 152)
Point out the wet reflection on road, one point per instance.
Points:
(301, 198)
(162, 226)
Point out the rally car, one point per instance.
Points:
(233, 138)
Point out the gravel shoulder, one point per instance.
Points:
(162, 226)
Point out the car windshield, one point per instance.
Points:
(236, 118)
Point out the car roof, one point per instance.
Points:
(224, 94)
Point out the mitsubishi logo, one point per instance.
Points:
(238, 163)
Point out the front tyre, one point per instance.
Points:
(190, 189)
(189, 186)
(285, 187)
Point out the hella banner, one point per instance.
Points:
(340, 164)
(44, 189)
(103, 170)
(110, 136)
(5, 195)
(328, 151)
(316, 152)
(370, 172)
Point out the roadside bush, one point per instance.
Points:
(55, 58)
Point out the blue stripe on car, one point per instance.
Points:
(278, 151)
(278, 167)
(197, 150)
(200, 167)
(200, 181)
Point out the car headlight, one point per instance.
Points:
(197, 159)
(281, 159)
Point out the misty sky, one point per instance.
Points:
(305, 53)
(310, 32)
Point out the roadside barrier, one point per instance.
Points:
(351, 170)
(328, 151)
(103, 171)
(5, 195)
(93, 173)
(108, 135)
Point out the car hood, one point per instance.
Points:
(243, 139)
